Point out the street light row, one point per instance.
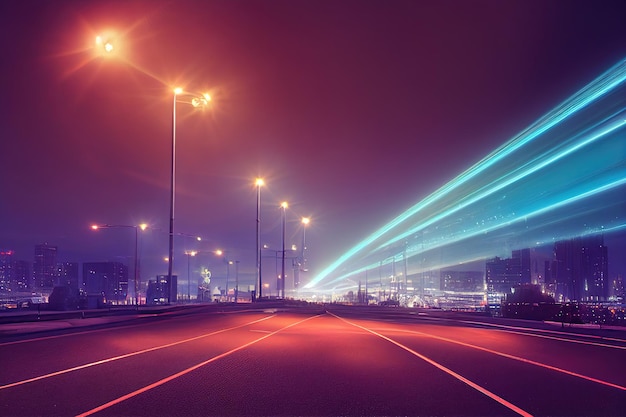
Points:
(105, 46)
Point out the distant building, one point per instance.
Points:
(67, 273)
(618, 287)
(582, 269)
(466, 281)
(14, 274)
(160, 291)
(106, 279)
(44, 268)
(502, 275)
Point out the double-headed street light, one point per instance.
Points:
(281, 280)
(305, 222)
(259, 183)
(189, 254)
(196, 100)
(142, 226)
(228, 262)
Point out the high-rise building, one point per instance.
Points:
(67, 273)
(44, 268)
(106, 279)
(582, 269)
(502, 275)
(14, 274)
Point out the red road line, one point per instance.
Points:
(517, 358)
(127, 355)
(461, 378)
(185, 371)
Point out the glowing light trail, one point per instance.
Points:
(564, 176)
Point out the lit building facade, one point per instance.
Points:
(467, 281)
(502, 275)
(67, 273)
(160, 291)
(44, 268)
(581, 269)
(106, 279)
(14, 274)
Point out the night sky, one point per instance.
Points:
(350, 110)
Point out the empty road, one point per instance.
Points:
(312, 360)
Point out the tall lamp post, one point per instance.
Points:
(259, 183)
(197, 100)
(189, 254)
(142, 226)
(305, 222)
(281, 280)
(228, 262)
(236, 281)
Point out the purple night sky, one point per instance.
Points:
(350, 110)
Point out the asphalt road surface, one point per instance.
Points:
(312, 360)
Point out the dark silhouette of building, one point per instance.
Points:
(529, 302)
(44, 268)
(582, 269)
(106, 279)
(160, 291)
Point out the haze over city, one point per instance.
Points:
(351, 111)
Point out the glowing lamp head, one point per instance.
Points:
(306, 220)
(143, 226)
(105, 45)
(219, 252)
(178, 90)
(259, 182)
(94, 227)
(284, 205)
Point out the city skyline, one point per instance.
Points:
(351, 111)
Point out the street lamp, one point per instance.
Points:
(281, 280)
(228, 262)
(197, 100)
(305, 222)
(189, 254)
(259, 183)
(103, 45)
(142, 226)
(236, 281)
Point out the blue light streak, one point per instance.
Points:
(563, 176)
